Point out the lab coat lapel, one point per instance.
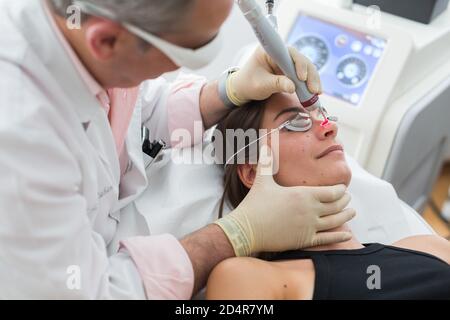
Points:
(48, 60)
(88, 109)
(67, 91)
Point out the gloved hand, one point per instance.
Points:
(273, 218)
(261, 77)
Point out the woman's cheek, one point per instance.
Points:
(296, 167)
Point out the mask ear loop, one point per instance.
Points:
(182, 57)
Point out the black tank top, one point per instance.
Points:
(375, 272)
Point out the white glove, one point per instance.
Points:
(261, 77)
(273, 218)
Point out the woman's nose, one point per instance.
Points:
(325, 130)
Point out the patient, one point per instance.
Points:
(412, 268)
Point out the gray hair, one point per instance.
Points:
(155, 16)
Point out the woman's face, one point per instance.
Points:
(312, 158)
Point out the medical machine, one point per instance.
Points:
(387, 79)
(418, 10)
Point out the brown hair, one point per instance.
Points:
(246, 117)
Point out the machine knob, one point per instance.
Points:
(351, 71)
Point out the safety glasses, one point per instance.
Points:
(302, 122)
(182, 57)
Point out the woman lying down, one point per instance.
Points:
(412, 268)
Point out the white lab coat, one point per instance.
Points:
(59, 172)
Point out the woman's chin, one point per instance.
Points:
(346, 175)
(329, 172)
(337, 173)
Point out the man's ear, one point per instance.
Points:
(102, 37)
(247, 174)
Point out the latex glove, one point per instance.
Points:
(261, 77)
(273, 218)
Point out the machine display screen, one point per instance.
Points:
(346, 59)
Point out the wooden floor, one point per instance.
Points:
(440, 194)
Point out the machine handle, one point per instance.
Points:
(274, 46)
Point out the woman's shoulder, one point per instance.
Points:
(244, 278)
(431, 244)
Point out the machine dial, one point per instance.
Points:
(351, 71)
(315, 49)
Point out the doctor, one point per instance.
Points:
(71, 155)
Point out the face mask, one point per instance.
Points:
(182, 57)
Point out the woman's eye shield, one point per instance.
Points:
(303, 122)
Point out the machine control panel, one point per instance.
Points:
(345, 58)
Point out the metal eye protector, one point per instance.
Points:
(302, 122)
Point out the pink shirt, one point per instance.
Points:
(118, 103)
(163, 264)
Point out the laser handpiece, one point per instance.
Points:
(274, 46)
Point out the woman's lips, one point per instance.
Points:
(336, 147)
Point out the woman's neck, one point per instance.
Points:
(351, 244)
